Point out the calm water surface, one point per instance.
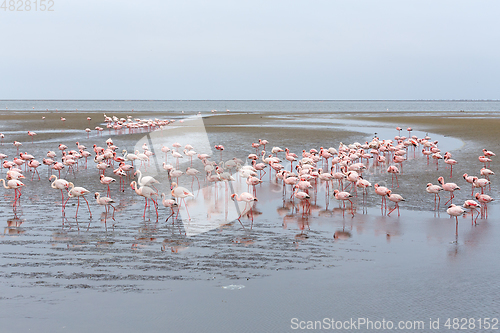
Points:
(59, 274)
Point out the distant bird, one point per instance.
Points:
(32, 134)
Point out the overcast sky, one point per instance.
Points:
(98, 49)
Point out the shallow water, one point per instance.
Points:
(60, 274)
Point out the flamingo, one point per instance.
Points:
(253, 181)
(168, 203)
(456, 211)
(59, 184)
(193, 173)
(146, 192)
(364, 184)
(470, 180)
(343, 196)
(434, 189)
(484, 199)
(249, 201)
(34, 164)
(488, 153)
(190, 153)
(78, 192)
(382, 191)
(451, 162)
(393, 170)
(302, 196)
(472, 205)
(145, 180)
(129, 157)
(487, 173)
(450, 187)
(182, 193)
(176, 155)
(106, 202)
(481, 183)
(17, 144)
(32, 134)
(219, 148)
(396, 198)
(484, 159)
(15, 185)
(106, 181)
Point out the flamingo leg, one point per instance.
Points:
(78, 206)
(88, 207)
(189, 217)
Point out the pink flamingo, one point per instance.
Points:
(291, 157)
(396, 198)
(106, 202)
(106, 181)
(59, 184)
(393, 170)
(363, 184)
(488, 153)
(220, 148)
(32, 134)
(481, 183)
(249, 201)
(470, 180)
(382, 191)
(456, 211)
(58, 166)
(165, 150)
(182, 193)
(484, 159)
(146, 192)
(484, 199)
(17, 144)
(472, 205)
(253, 181)
(78, 192)
(450, 187)
(168, 203)
(487, 173)
(451, 162)
(34, 164)
(120, 173)
(193, 173)
(343, 196)
(434, 189)
(145, 180)
(15, 185)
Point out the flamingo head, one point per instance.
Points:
(232, 196)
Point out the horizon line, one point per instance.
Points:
(248, 100)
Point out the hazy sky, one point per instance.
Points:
(106, 49)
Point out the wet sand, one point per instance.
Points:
(61, 274)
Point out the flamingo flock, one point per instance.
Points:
(341, 169)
